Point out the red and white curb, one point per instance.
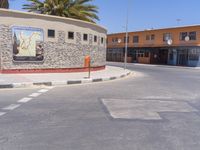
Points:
(60, 83)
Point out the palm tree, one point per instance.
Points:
(4, 4)
(77, 9)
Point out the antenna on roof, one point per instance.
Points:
(178, 21)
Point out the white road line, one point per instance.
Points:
(43, 90)
(35, 94)
(49, 87)
(24, 100)
(11, 107)
(2, 113)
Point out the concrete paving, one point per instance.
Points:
(155, 65)
(55, 79)
(144, 109)
(75, 117)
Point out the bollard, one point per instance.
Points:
(88, 64)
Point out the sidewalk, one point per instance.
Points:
(55, 79)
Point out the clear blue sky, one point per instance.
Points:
(143, 14)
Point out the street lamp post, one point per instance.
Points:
(126, 41)
(126, 49)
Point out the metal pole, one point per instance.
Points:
(1, 61)
(89, 72)
(126, 40)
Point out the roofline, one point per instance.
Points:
(51, 16)
(167, 28)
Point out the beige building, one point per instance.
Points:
(32, 42)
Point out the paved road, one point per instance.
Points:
(154, 109)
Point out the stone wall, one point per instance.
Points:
(0, 46)
(58, 54)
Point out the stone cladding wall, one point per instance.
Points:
(58, 54)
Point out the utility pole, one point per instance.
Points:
(126, 40)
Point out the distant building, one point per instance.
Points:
(172, 46)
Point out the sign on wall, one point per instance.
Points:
(27, 44)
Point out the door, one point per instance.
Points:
(163, 56)
(182, 57)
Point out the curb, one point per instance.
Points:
(61, 83)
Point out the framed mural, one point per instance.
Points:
(27, 44)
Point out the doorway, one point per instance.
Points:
(159, 56)
(163, 56)
(182, 57)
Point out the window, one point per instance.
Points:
(167, 36)
(95, 38)
(140, 53)
(116, 40)
(85, 37)
(171, 56)
(143, 53)
(127, 39)
(194, 54)
(147, 37)
(183, 35)
(146, 54)
(102, 40)
(113, 40)
(194, 57)
(152, 37)
(192, 35)
(51, 33)
(135, 39)
(70, 35)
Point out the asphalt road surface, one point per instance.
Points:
(156, 108)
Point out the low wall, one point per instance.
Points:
(26, 43)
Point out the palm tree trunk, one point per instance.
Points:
(4, 4)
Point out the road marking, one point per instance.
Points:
(35, 94)
(49, 87)
(2, 113)
(43, 90)
(24, 100)
(157, 98)
(11, 107)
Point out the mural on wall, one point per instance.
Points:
(27, 44)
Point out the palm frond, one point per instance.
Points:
(78, 9)
(4, 4)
